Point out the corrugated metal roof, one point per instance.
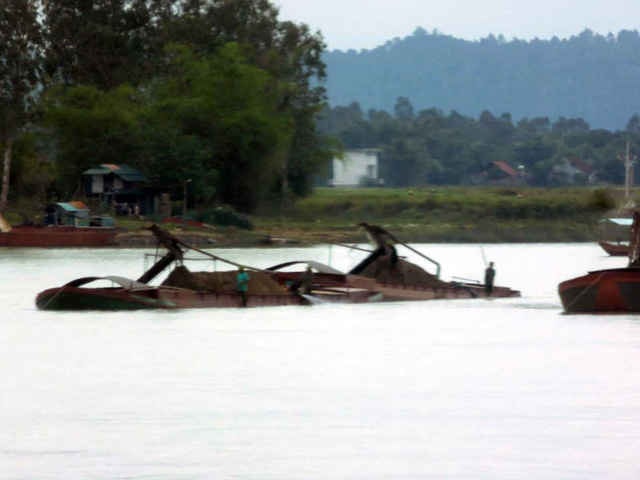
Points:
(72, 206)
(79, 205)
(506, 168)
(96, 171)
(123, 171)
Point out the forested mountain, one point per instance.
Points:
(588, 76)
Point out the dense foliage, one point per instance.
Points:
(434, 147)
(219, 93)
(20, 68)
(588, 76)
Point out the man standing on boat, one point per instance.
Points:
(242, 285)
(307, 281)
(489, 276)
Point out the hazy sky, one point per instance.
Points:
(360, 24)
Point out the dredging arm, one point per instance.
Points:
(172, 244)
(175, 252)
(383, 239)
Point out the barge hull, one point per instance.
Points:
(73, 298)
(22, 236)
(602, 291)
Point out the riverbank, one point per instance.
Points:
(430, 215)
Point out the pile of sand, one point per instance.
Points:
(222, 282)
(401, 272)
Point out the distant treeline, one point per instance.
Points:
(431, 147)
(589, 76)
(218, 93)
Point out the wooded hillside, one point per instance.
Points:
(588, 76)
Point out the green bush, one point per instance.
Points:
(601, 199)
(224, 216)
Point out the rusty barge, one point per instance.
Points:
(68, 224)
(613, 290)
(381, 276)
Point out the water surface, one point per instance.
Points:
(462, 389)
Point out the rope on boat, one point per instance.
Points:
(586, 289)
(352, 247)
(46, 305)
(216, 257)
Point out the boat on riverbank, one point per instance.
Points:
(67, 224)
(614, 234)
(615, 249)
(613, 290)
(381, 276)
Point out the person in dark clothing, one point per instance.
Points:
(307, 281)
(489, 276)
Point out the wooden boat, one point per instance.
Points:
(613, 230)
(132, 295)
(613, 290)
(182, 289)
(387, 277)
(381, 276)
(615, 249)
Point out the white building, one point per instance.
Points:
(357, 168)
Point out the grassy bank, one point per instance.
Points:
(443, 214)
(446, 214)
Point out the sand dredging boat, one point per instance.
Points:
(613, 290)
(381, 276)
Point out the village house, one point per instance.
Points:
(358, 168)
(120, 187)
(572, 171)
(500, 173)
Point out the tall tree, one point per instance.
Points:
(290, 52)
(20, 55)
(98, 42)
(211, 119)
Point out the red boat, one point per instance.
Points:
(613, 290)
(67, 225)
(58, 236)
(615, 249)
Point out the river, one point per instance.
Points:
(455, 389)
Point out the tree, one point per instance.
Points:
(20, 53)
(290, 52)
(229, 108)
(103, 43)
(633, 125)
(98, 42)
(213, 119)
(403, 109)
(89, 126)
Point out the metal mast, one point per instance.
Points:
(629, 160)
